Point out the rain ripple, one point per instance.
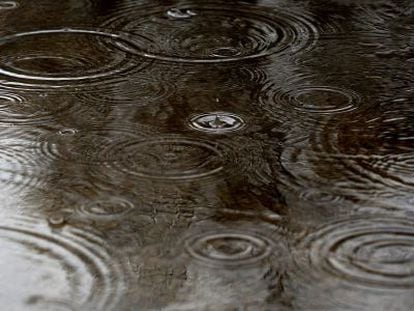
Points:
(171, 158)
(46, 58)
(312, 100)
(229, 248)
(17, 107)
(73, 268)
(375, 147)
(367, 251)
(210, 33)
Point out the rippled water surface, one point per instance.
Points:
(207, 155)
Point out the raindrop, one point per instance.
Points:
(216, 122)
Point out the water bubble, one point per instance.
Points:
(366, 251)
(216, 122)
(176, 13)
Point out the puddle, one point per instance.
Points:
(187, 155)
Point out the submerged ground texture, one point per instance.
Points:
(207, 155)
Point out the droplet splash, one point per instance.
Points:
(68, 132)
(217, 122)
(176, 13)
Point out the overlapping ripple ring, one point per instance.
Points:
(373, 252)
(72, 267)
(97, 71)
(19, 169)
(210, 34)
(171, 158)
(86, 147)
(229, 248)
(139, 92)
(381, 153)
(10, 104)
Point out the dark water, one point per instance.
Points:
(207, 155)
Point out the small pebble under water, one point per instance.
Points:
(207, 155)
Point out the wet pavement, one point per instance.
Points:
(207, 155)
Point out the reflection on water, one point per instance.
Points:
(207, 155)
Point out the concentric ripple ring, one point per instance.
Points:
(72, 266)
(170, 158)
(374, 252)
(228, 248)
(81, 69)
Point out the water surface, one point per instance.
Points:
(207, 155)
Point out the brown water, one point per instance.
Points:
(207, 155)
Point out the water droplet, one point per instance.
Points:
(176, 13)
(216, 122)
